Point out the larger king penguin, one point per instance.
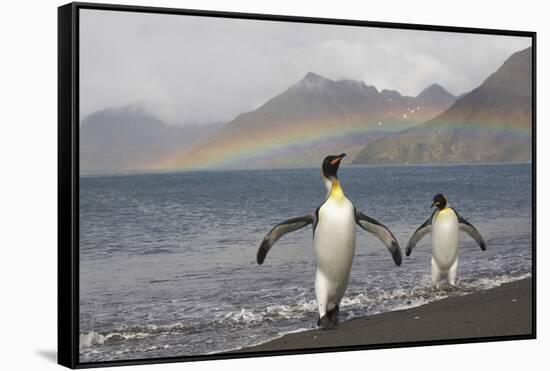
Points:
(333, 241)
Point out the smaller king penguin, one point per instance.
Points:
(444, 224)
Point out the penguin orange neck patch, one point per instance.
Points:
(444, 210)
(336, 192)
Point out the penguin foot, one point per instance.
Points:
(326, 323)
(333, 314)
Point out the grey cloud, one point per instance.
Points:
(196, 69)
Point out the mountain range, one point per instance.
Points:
(316, 116)
(313, 117)
(492, 123)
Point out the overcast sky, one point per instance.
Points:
(195, 69)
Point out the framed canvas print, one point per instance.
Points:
(239, 185)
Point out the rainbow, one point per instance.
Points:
(220, 151)
(231, 150)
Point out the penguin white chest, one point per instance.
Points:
(334, 240)
(445, 238)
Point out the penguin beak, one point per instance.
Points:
(338, 159)
(435, 203)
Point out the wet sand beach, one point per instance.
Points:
(501, 311)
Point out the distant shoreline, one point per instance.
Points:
(505, 310)
(177, 171)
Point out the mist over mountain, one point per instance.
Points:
(492, 123)
(130, 138)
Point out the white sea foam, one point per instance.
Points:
(354, 305)
(92, 338)
(244, 315)
(374, 302)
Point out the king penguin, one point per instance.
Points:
(333, 241)
(444, 224)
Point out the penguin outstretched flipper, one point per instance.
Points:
(465, 226)
(420, 232)
(280, 230)
(382, 232)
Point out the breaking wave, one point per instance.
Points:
(354, 305)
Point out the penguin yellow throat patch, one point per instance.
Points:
(444, 210)
(336, 192)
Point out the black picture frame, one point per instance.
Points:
(68, 179)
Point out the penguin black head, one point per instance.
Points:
(331, 165)
(440, 201)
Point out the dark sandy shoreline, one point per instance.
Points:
(502, 311)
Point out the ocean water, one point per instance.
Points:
(168, 261)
